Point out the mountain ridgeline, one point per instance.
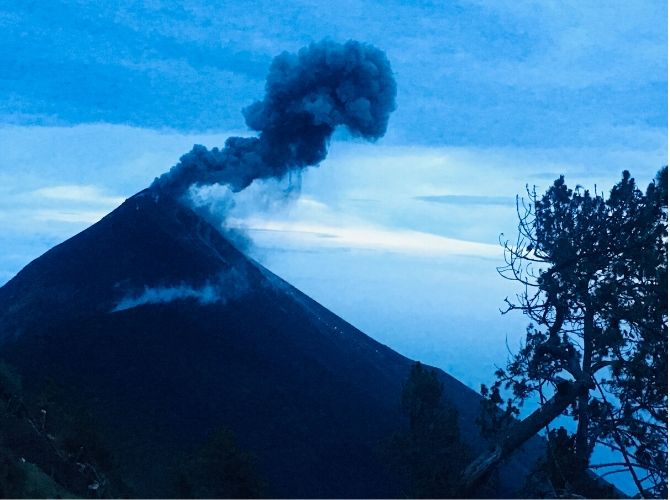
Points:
(166, 335)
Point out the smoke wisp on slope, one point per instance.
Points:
(227, 285)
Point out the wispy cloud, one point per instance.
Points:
(72, 176)
(75, 204)
(62, 203)
(78, 193)
(75, 216)
(456, 199)
(277, 233)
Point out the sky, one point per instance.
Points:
(399, 237)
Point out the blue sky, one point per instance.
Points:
(399, 237)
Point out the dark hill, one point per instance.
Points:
(167, 333)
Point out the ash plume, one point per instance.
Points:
(307, 96)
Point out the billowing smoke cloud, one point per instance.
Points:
(308, 95)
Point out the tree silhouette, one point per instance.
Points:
(430, 452)
(594, 275)
(219, 469)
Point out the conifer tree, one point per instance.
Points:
(594, 274)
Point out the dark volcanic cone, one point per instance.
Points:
(168, 333)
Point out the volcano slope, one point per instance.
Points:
(167, 333)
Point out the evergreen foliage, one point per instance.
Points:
(557, 474)
(219, 470)
(48, 451)
(594, 272)
(51, 447)
(430, 453)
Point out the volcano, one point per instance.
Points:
(167, 332)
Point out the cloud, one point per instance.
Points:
(470, 73)
(455, 199)
(71, 176)
(78, 193)
(72, 216)
(313, 235)
(582, 44)
(69, 203)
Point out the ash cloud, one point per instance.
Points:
(226, 210)
(308, 95)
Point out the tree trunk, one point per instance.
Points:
(517, 435)
(582, 448)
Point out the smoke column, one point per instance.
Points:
(307, 95)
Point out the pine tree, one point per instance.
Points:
(594, 275)
(430, 452)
